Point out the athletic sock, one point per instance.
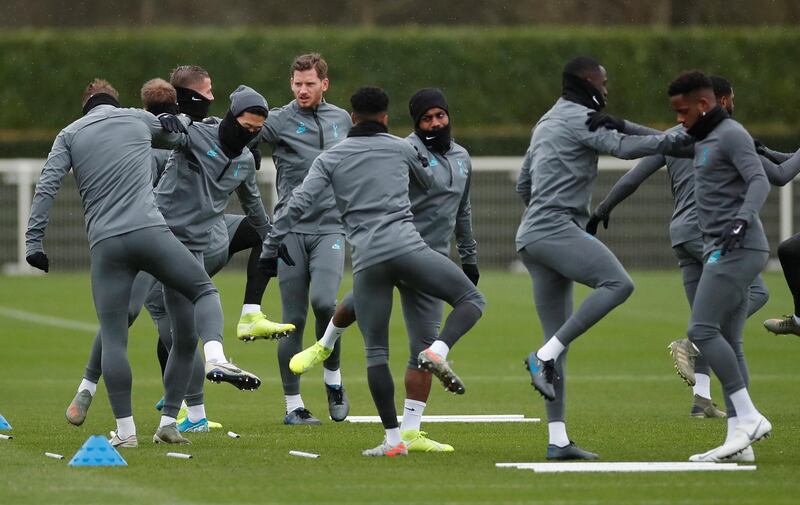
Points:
(552, 349)
(214, 352)
(732, 423)
(393, 436)
(125, 427)
(165, 420)
(702, 386)
(196, 413)
(332, 334)
(440, 348)
(745, 410)
(294, 402)
(249, 308)
(88, 385)
(332, 377)
(558, 433)
(412, 414)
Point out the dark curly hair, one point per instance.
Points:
(688, 82)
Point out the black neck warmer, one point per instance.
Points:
(99, 99)
(438, 141)
(192, 103)
(581, 91)
(233, 137)
(707, 123)
(367, 128)
(163, 108)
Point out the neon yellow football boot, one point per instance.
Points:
(417, 441)
(308, 358)
(255, 325)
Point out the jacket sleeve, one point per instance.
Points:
(632, 128)
(58, 164)
(524, 181)
(162, 139)
(629, 147)
(628, 183)
(270, 132)
(742, 153)
(781, 157)
(250, 198)
(465, 241)
(302, 198)
(780, 175)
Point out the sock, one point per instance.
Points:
(332, 334)
(558, 434)
(745, 410)
(249, 308)
(214, 352)
(125, 427)
(393, 436)
(196, 413)
(552, 349)
(332, 377)
(88, 385)
(702, 386)
(440, 348)
(412, 414)
(165, 420)
(732, 422)
(294, 402)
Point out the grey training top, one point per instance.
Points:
(369, 177)
(729, 184)
(298, 136)
(563, 167)
(109, 152)
(683, 226)
(199, 178)
(780, 175)
(445, 207)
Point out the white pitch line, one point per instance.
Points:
(47, 320)
(628, 467)
(477, 418)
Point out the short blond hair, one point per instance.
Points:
(99, 86)
(185, 76)
(157, 91)
(309, 61)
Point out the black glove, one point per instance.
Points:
(256, 157)
(39, 260)
(283, 253)
(732, 236)
(595, 219)
(471, 271)
(171, 123)
(269, 266)
(761, 150)
(598, 119)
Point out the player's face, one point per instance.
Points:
(308, 88)
(599, 79)
(204, 88)
(688, 109)
(251, 122)
(726, 102)
(434, 118)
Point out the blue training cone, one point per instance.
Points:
(4, 424)
(97, 451)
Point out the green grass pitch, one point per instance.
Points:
(625, 402)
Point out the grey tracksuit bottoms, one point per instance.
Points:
(115, 263)
(554, 263)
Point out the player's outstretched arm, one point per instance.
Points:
(783, 173)
(58, 164)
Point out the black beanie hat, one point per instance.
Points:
(424, 100)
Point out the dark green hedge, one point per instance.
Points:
(498, 81)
